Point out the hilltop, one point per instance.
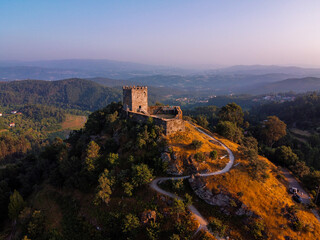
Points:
(97, 182)
(244, 195)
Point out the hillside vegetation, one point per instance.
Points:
(69, 93)
(261, 192)
(297, 85)
(95, 185)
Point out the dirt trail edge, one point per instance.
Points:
(196, 214)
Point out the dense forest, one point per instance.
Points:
(70, 93)
(303, 113)
(111, 155)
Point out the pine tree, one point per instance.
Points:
(92, 155)
(16, 205)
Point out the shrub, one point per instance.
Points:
(196, 144)
(230, 131)
(199, 157)
(297, 226)
(257, 229)
(217, 226)
(213, 154)
(233, 203)
(240, 194)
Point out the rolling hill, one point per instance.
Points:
(293, 84)
(69, 93)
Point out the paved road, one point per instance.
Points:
(200, 219)
(292, 182)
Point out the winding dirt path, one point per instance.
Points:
(196, 214)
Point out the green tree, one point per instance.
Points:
(257, 229)
(312, 180)
(92, 155)
(300, 169)
(175, 237)
(285, 156)
(178, 207)
(127, 188)
(273, 129)
(202, 121)
(130, 223)
(196, 144)
(153, 231)
(188, 199)
(104, 188)
(213, 154)
(231, 113)
(249, 148)
(199, 157)
(230, 131)
(16, 205)
(113, 159)
(217, 226)
(36, 225)
(141, 174)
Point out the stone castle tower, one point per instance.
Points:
(135, 99)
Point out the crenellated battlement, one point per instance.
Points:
(134, 87)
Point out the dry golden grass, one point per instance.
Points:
(265, 198)
(73, 122)
(180, 143)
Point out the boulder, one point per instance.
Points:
(165, 157)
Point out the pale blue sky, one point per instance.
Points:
(167, 32)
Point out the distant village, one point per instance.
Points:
(263, 98)
(275, 98)
(14, 112)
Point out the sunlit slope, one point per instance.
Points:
(266, 196)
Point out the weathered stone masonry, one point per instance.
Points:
(135, 103)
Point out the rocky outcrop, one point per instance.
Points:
(173, 168)
(165, 157)
(222, 199)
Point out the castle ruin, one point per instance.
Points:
(135, 103)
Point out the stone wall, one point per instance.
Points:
(169, 125)
(174, 125)
(170, 110)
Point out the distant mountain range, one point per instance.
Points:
(255, 79)
(80, 68)
(298, 85)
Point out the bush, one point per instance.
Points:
(217, 226)
(297, 226)
(199, 157)
(230, 131)
(213, 154)
(257, 229)
(196, 144)
(240, 194)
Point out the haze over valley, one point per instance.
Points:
(159, 120)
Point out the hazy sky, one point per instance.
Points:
(168, 32)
